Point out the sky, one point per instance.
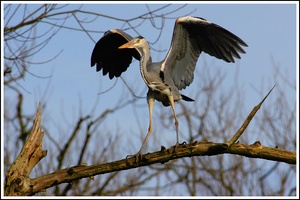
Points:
(269, 29)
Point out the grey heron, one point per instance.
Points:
(113, 54)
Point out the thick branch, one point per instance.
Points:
(165, 155)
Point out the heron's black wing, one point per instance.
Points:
(109, 58)
(191, 36)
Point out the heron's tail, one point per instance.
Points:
(186, 98)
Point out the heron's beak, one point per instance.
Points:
(129, 44)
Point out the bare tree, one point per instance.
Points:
(207, 119)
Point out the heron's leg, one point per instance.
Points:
(150, 101)
(171, 99)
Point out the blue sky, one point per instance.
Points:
(269, 29)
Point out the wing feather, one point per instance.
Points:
(108, 57)
(191, 36)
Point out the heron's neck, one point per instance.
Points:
(145, 62)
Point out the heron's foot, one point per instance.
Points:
(137, 156)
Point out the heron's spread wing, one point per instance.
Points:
(191, 36)
(108, 57)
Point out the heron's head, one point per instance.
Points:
(135, 43)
